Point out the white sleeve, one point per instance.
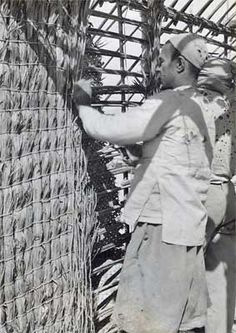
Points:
(137, 124)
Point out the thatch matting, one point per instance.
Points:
(47, 205)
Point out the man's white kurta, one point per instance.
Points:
(171, 181)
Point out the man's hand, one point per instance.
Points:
(82, 92)
(131, 154)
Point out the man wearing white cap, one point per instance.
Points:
(162, 285)
(218, 75)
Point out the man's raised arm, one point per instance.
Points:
(140, 123)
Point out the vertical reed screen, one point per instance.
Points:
(47, 205)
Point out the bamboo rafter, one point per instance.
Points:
(198, 21)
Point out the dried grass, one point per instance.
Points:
(152, 32)
(47, 217)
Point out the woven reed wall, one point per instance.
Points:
(47, 217)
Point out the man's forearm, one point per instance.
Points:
(116, 129)
(139, 124)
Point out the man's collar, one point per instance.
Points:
(184, 87)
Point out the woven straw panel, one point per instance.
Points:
(47, 205)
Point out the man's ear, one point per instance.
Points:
(180, 64)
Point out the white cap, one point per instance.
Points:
(192, 47)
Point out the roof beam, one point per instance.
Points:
(174, 3)
(116, 35)
(182, 10)
(216, 9)
(114, 54)
(104, 21)
(198, 21)
(202, 10)
(116, 18)
(227, 12)
(114, 71)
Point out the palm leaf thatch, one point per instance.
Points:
(152, 34)
(47, 219)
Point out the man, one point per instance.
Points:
(218, 75)
(162, 285)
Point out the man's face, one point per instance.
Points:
(167, 66)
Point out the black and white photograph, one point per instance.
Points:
(117, 166)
